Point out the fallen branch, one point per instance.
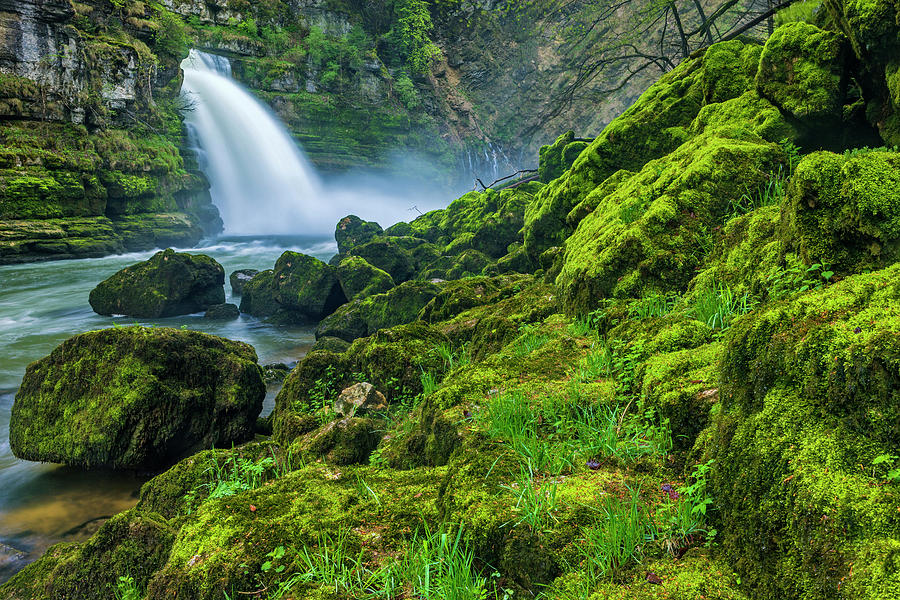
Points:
(520, 172)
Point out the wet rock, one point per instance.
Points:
(275, 372)
(136, 398)
(351, 231)
(388, 256)
(332, 344)
(359, 399)
(240, 278)
(359, 279)
(169, 283)
(222, 312)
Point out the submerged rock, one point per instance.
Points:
(136, 398)
(222, 312)
(169, 283)
(240, 278)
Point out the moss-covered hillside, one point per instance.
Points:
(671, 372)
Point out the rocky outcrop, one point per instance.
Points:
(168, 284)
(136, 398)
(239, 278)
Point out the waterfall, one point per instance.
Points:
(260, 179)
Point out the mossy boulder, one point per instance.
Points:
(363, 317)
(392, 360)
(344, 441)
(803, 72)
(351, 231)
(388, 255)
(222, 312)
(359, 279)
(136, 398)
(240, 278)
(845, 210)
(648, 235)
(299, 289)
(135, 543)
(459, 296)
(809, 402)
(557, 157)
(169, 283)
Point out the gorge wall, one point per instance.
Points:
(93, 157)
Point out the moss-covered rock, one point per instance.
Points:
(557, 157)
(845, 210)
(345, 441)
(133, 544)
(351, 231)
(136, 398)
(802, 71)
(238, 279)
(222, 312)
(359, 279)
(300, 288)
(363, 317)
(459, 296)
(388, 255)
(649, 234)
(808, 392)
(170, 283)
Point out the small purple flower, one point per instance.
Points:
(593, 464)
(673, 495)
(666, 487)
(857, 330)
(467, 414)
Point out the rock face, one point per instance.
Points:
(136, 398)
(222, 312)
(352, 231)
(359, 399)
(170, 283)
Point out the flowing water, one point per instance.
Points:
(42, 304)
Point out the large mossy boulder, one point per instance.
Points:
(557, 157)
(363, 317)
(359, 279)
(136, 398)
(845, 210)
(351, 231)
(169, 283)
(131, 544)
(649, 233)
(299, 289)
(803, 72)
(809, 402)
(390, 255)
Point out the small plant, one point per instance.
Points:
(127, 589)
(333, 563)
(535, 504)
(429, 383)
(888, 460)
(720, 305)
(797, 278)
(653, 305)
(618, 538)
(530, 340)
(684, 515)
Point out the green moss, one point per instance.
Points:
(135, 543)
(843, 210)
(169, 283)
(352, 231)
(729, 69)
(808, 403)
(135, 398)
(802, 71)
(360, 280)
(649, 234)
(363, 317)
(557, 157)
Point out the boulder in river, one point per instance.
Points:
(136, 398)
(352, 231)
(239, 278)
(169, 283)
(222, 312)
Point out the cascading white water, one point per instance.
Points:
(260, 179)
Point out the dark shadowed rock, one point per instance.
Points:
(136, 398)
(222, 312)
(169, 283)
(240, 278)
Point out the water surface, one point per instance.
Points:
(42, 304)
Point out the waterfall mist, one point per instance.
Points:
(261, 180)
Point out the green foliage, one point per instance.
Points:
(617, 539)
(127, 589)
(406, 91)
(535, 501)
(409, 34)
(888, 460)
(530, 340)
(652, 305)
(805, 10)
(718, 306)
(171, 37)
(795, 278)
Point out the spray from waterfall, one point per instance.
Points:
(260, 179)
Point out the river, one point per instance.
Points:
(42, 304)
